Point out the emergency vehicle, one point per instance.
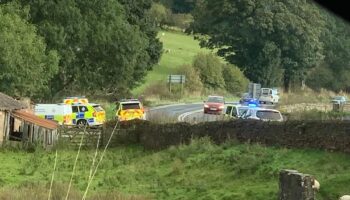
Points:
(129, 109)
(84, 112)
(60, 113)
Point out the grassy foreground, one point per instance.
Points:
(201, 170)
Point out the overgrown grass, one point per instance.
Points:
(201, 170)
(306, 96)
(317, 115)
(179, 49)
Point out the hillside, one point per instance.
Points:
(179, 49)
(201, 170)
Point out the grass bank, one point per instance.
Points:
(201, 170)
(179, 49)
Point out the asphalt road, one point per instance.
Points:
(180, 112)
(192, 113)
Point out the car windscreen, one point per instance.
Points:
(228, 110)
(265, 91)
(268, 114)
(98, 108)
(339, 98)
(216, 99)
(242, 110)
(129, 106)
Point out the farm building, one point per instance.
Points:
(17, 124)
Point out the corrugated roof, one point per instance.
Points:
(9, 103)
(26, 116)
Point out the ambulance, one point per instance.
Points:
(85, 113)
(61, 113)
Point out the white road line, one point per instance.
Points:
(172, 105)
(182, 117)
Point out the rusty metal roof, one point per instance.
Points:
(29, 117)
(9, 103)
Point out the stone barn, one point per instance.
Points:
(18, 124)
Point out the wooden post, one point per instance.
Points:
(295, 186)
(182, 85)
(169, 83)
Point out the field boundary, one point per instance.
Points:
(326, 135)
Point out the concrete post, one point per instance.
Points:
(295, 186)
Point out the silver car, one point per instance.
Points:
(263, 114)
(339, 100)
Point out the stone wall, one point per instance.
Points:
(328, 135)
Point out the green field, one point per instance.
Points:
(201, 170)
(182, 48)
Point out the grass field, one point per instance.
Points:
(201, 170)
(181, 50)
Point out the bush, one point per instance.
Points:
(235, 81)
(193, 82)
(210, 69)
(159, 13)
(160, 89)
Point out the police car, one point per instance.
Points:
(129, 109)
(85, 113)
(264, 114)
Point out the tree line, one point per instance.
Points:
(50, 47)
(285, 43)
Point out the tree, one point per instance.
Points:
(159, 13)
(137, 13)
(210, 70)
(193, 82)
(268, 40)
(235, 81)
(336, 39)
(180, 6)
(105, 46)
(26, 65)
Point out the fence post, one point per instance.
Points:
(295, 186)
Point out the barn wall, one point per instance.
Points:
(2, 125)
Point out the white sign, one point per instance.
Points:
(176, 79)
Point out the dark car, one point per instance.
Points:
(214, 105)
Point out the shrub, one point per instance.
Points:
(210, 69)
(235, 81)
(160, 89)
(193, 82)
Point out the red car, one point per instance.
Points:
(214, 105)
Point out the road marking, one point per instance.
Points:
(172, 105)
(182, 117)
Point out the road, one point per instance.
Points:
(192, 112)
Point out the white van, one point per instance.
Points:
(61, 113)
(269, 96)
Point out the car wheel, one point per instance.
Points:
(81, 123)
